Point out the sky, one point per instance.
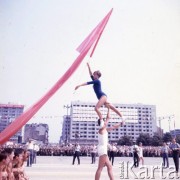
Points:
(138, 54)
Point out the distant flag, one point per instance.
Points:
(84, 47)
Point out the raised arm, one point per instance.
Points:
(115, 126)
(90, 72)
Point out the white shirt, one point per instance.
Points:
(30, 146)
(135, 147)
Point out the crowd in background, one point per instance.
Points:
(68, 150)
(13, 158)
(121, 151)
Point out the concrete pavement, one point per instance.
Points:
(61, 168)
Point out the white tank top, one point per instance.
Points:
(103, 139)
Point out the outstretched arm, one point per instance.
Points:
(90, 72)
(115, 126)
(84, 84)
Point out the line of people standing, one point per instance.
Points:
(174, 147)
(32, 148)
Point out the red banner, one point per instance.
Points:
(84, 47)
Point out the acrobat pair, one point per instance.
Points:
(102, 97)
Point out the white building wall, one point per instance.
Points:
(140, 118)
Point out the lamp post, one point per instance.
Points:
(165, 118)
(169, 120)
(160, 129)
(67, 121)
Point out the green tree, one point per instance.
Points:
(167, 137)
(145, 139)
(156, 140)
(125, 140)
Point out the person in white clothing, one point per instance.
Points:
(30, 148)
(141, 158)
(102, 146)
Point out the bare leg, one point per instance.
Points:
(113, 108)
(141, 159)
(109, 168)
(102, 161)
(101, 102)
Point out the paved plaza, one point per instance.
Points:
(61, 168)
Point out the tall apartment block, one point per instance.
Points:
(8, 113)
(81, 125)
(38, 132)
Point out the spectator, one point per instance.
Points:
(135, 151)
(112, 153)
(3, 163)
(30, 148)
(175, 147)
(164, 152)
(93, 154)
(76, 153)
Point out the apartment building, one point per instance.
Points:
(38, 132)
(8, 113)
(81, 125)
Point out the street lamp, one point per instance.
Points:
(67, 108)
(165, 118)
(160, 128)
(67, 122)
(169, 120)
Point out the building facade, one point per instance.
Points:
(8, 113)
(175, 132)
(38, 132)
(81, 125)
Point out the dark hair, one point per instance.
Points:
(2, 156)
(17, 152)
(99, 121)
(7, 151)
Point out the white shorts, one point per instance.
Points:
(102, 150)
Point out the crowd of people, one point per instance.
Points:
(14, 158)
(85, 150)
(12, 163)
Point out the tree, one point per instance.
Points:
(178, 139)
(156, 140)
(125, 140)
(145, 139)
(167, 137)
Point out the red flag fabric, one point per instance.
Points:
(84, 47)
(95, 35)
